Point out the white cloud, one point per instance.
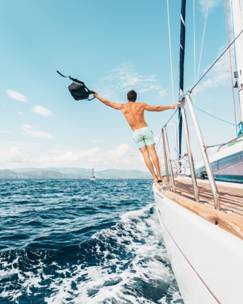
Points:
(16, 96)
(95, 156)
(12, 155)
(208, 4)
(72, 156)
(124, 78)
(162, 92)
(219, 76)
(96, 141)
(15, 155)
(40, 110)
(121, 156)
(28, 130)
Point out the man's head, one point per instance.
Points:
(132, 96)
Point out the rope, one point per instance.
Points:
(215, 117)
(170, 52)
(215, 62)
(203, 41)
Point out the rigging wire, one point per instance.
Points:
(170, 52)
(171, 58)
(197, 69)
(203, 41)
(215, 117)
(223, 144)
(227, 17)
(175, 135)
(194, 37)
(215, 62)
(170, 118)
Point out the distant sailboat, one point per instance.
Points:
(92, 177)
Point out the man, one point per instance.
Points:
(142, 135)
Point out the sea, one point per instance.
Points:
(82, 241)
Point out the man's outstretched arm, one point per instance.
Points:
(159, 108)
(114, 105)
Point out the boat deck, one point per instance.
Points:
(230, 215)
(230, 195)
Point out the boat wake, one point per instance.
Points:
(125, 263)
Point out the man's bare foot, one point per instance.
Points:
(158, 184)
(159, 180)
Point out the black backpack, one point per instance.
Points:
(78, 89)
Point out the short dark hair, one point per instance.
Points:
(132, 95)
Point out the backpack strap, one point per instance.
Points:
(61, 74)
(71, 78)
(76, 80)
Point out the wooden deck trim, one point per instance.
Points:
(230, 196)
(232, 223)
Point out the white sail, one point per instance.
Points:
(92, 177)
(237, 17)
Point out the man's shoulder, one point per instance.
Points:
(141, 104)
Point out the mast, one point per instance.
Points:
(92, 172)
(181, 66)
(237, 17)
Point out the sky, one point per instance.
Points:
(113, 46)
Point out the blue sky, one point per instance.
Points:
(113, 46)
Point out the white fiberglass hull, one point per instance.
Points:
(207, 260)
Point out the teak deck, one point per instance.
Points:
(230, 215)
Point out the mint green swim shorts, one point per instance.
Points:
(143, 137)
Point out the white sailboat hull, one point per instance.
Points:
(207, 260)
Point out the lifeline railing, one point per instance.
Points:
(186, 102)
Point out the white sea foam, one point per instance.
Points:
(141, 274)
(142, 238)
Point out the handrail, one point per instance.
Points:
(186, 100)
(189, 151)
(165, 156)
(204, 153)
(167, 160)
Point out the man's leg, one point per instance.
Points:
(148, 162)
(154, 156)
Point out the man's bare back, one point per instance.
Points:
(134, 111)
(142, 135)
(134, 114)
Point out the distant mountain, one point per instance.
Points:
(7, 174)
(70, 173)
(115, 173)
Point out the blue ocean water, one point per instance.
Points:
(78, 241)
